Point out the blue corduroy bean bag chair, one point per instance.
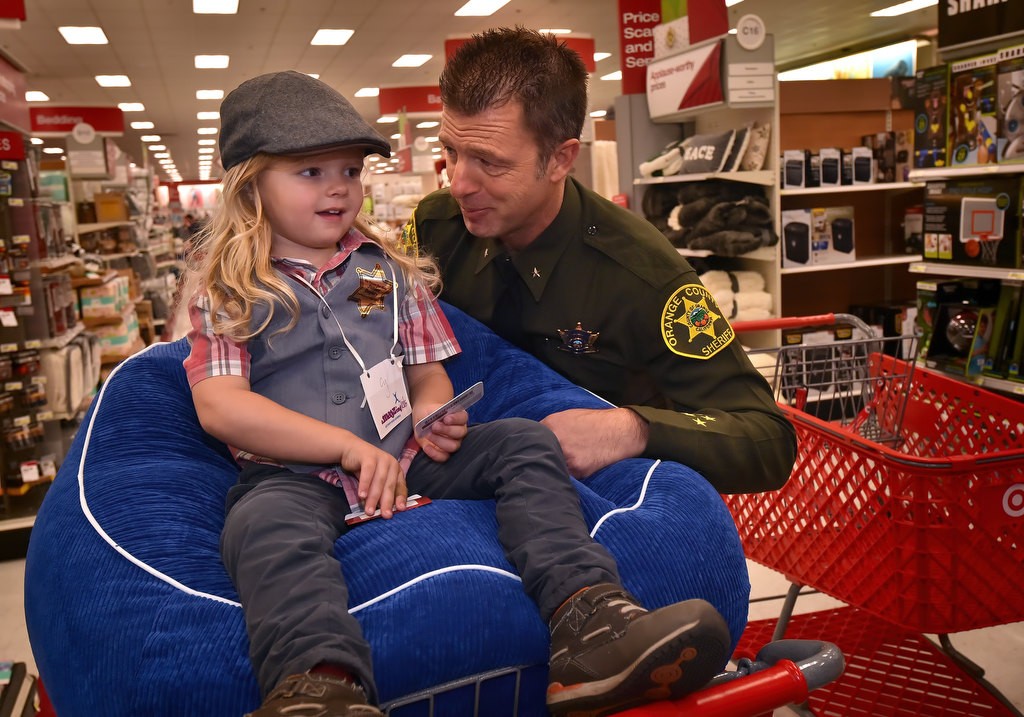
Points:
(130, 611)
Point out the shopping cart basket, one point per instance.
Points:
(923, 528)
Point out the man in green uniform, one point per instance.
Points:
(589, 288)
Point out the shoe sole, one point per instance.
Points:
(680, 663)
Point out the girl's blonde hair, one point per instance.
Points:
(231, 256)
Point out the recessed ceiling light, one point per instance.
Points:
(113, 81)
(617, 75)
(36, 96)
(598, 56)
(131, 106)
(209, 94)
(206, 150)
(215, 7)
(554, 31)
(368, 92)
(150, 138)
(157, 147)
(162, 155)
(396, 136)
(427, 125)
(904, 7)
(480, 8)
(206, 130)
(142, 125)
(598, 113)
(37, 140)
(387, 119)
(430, 139)
(210, 115)
(324, 36)
(53, 150)
(83, 35)
(212, 62)
(435, 149)
(411, 61)
(207, 141)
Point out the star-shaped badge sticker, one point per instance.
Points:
(373, 287)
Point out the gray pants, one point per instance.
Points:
(280, 530)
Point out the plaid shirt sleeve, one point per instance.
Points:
(211, 355)
(423, 328)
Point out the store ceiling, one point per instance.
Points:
(154, 41)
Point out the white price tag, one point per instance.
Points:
(30, 472)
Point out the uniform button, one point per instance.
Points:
(335, 352)
(325, 311)
(339, 398)
(592, 229)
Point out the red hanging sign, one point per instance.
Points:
(13, 108)
(52, 121)
(12, 145)
(12, 9)
(637, 19)
(393, 100)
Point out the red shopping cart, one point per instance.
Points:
(906, 501)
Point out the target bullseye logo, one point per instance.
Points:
(1013, 500)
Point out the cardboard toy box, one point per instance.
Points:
(974, 221)
(931, 94)
(962, 324)
(1010, 94)
(972, 112)
(832, 235)
(110, 207)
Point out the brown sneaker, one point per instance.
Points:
(609, 654)
(315, 695)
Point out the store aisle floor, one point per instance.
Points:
(999, 650)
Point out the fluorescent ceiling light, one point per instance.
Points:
(430, 139)
(206, 150)
(36, 96)
(206, 130)
(83, 35)
(209, 94)
(150, 138)
(427, 125)
(395, 136)
(387, 119)
(730, 3)
(617, 75)
(598, 56)
(215, 7)
(161, 155)
(314, 75)
(212, 62)
(554, 31)
(37, 140)
(368, 92)
(480, 8)
(209, 115)
(325, 36)
(142, 125)
(113, 81)
(598, 113)
(207, 141)
(53, 150)
(411, 61)
(904, 7)
(157, 147)
(131, 106)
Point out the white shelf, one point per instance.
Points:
(59, 262)
(17, 523)
(764, 178)
(858, 264)
(979, 170)
(967, 271)
(873, 187)
(100, 226)
(765, 253)
(996, 384)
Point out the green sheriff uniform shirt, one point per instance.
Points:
(604, 299)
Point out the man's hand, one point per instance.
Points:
(594, 438)
(381, 480)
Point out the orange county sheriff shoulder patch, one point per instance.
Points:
(692, 324)
(410, 242)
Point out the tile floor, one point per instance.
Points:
(999, 650)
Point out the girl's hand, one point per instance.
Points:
(445, 436)
(381, 479)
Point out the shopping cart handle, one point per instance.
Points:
(784, 672)
(789, 322)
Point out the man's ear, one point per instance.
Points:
(562, 159)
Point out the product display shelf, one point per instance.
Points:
(845, 188)
(962, 270)
(763, 178)
(857, 264)
(935, 174)
(89, 227)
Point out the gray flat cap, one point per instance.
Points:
(290, 113)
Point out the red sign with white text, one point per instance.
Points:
(12, 145)
(393, 100)
(13, 108)
(61, 120)
(637, 19)
(12, 9)
(584, 47)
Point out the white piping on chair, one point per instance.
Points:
(639, 501)
(163, 577)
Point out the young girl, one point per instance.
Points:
(316, 345)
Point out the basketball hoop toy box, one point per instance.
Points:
(975, 222)
(907, 496)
